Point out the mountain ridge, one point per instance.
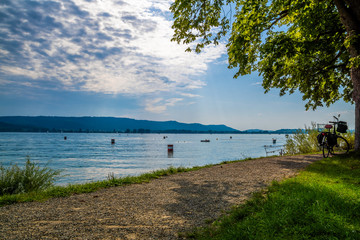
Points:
(102, 124)
(114, 124)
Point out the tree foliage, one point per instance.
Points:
(292, 44)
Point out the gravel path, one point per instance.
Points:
(156, 210)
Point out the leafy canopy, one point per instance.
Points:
(292, 44)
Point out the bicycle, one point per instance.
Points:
(331, 142)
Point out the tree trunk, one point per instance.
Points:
(357, 126)
(349, 11)
(355, 77)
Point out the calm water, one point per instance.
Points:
(91, 156)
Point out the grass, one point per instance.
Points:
(322, 202)
(111, 181)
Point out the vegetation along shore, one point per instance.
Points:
(160, 209)
(266, 198)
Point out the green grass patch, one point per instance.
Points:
(111, 181)
(322, 202)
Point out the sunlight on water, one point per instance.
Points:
(91, 156)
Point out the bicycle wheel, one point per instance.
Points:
(325, 147)
(341, 147)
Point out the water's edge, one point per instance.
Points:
(92, 156)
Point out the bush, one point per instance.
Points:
(31, 177)
(303, 141)
(350, 137)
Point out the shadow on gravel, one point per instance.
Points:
(292, 162)
(199, 202)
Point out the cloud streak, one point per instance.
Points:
(104, 46)
(160, 105)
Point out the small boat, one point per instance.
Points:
(205, 140)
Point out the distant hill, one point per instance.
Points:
(103, 124)
(112, 124)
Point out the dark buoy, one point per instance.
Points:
(112, 141)
(274, 140)
(65, 138)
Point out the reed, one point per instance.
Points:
(30, 178)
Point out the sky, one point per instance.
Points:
(116, 58)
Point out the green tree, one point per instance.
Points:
(312, 46)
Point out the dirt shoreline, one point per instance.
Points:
(159, 209)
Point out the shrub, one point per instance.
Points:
(350, 137)
(31, 177)
(303, 141)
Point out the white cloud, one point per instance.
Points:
(106, 46)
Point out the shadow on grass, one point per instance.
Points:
(321, 203)
(343, 169)
(294, 211)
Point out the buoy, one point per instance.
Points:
(274, 140)
(65, 138)
(170, 148)
(170, 151)
(112, 141)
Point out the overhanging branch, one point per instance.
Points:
(282, 15)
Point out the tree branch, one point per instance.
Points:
(282, 15)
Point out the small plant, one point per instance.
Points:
(30, 178)
(111, 177)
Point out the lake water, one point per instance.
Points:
(85, 157)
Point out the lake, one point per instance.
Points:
(85, 157)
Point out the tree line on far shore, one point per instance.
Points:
(141, 131)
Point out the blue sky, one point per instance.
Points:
(115, 58)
